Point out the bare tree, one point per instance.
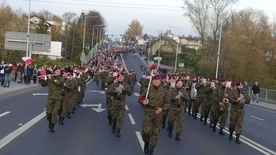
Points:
(197, 11)
(218, 8)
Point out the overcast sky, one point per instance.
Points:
(154, 15)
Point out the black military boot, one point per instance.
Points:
(151, 148)
(201, 118)
(195, 116)
(214, 127)
(68, 115)
(163, 125)
(118, 133)
(177, 137)
(170, 133)
(52, 127)
(205, 121)
(109, 120)
(210, 125)
(189, 112)
(50, 123)
(146, 147)
(114, 128)
(221, 132)
(238, 139)
(231, 136)
(61, 120)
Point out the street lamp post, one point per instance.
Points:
(93, 37)
(176, 47)
(83, 41)
(28, 31)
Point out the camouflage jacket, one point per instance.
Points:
(178, 102)
(234, 95)
(111, 90)
(219, 92)
(55, 87)
(158, 97)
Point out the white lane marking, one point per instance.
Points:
(268, 151)
(123, 61)
(257, 118)
(138, 84)
(140, 139)
(248, 141)
(126, 107)
(5, 113)
(20, 124)
(20, 130)
(136, 66)
(131, 119)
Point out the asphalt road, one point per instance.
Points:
(24, 128)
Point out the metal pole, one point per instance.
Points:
(92, 46)
(218, 51)
(28, 31)
(158, 64)
(83, 40)
(176, 46)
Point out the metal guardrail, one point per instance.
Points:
(90, 54)
(266, 95)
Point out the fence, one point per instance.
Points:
(90, 55)
(266, 95)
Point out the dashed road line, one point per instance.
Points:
(131, 119)
(20, 130)
(5, 113)
(257, 118)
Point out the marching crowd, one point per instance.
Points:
(165, 97)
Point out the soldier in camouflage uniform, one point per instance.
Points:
(130, 79)
(97, 76)
(144, 81)
(84, 77)
(68, 88)
(104, 76)
(238, 98)
(209, 99)
(111, 79)
(178, 97)
(54, 97)
(157, 101)
(64, 105)
(118, 91)
(71, 95)
(200, 98)
(167, 86)
(220, 108)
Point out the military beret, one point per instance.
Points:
(156, 77)
(212, 78)
(179, 80)
(239, 83)
(223, 80)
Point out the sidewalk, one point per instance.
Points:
(16, 86)
(264, 105)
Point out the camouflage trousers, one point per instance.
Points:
(236, 120)
(218, 115)
(206, 109)
(118, 113)
(197, 104)
(178, 114)
(52, 109)
(64, 107)
(165, 115)
(151, 127)
(109, 106)
(71, 103)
